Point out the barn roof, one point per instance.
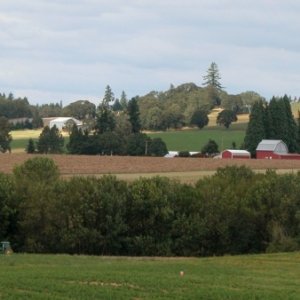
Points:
(61, 122)
(64, 119)
(272, 145)
(239, 152)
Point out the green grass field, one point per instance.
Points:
(275, 276)
(191, 140)
(195, 139)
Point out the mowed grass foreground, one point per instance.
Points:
(274, 276)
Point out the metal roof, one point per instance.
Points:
(240, 152)
(272, 145)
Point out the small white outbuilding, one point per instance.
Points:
(64, 123)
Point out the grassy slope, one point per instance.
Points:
(194, 140)
(80, 277)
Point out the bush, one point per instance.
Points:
(184, 154)
(210, 148)
(157, 147)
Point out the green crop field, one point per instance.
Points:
(194, 140)
(274, 276)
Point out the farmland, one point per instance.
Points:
(188, 139)
(129, 167)
(272, 276)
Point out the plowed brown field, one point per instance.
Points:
(96, 165)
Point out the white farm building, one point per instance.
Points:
(64, 123)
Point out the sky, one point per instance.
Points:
(68, 50)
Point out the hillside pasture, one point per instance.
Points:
(195, 139)
(242, 118)
(27, 276)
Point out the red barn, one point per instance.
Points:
(236, 154)
(274, 149)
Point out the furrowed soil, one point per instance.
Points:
(97, 165)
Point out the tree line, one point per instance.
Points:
(109, 135)
(234, 211)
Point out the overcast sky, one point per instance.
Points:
(66, 50)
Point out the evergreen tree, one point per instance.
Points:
(108, 95)
(298, 129)
(105, 117)
(281, 123)
(213, 85)
(256, 128)
(291, 134)
(5, 137)
(212, 78)
(50, 141)
(277, 120)
(77, 141)
(117, 105)
(123, 101)
(30, 147)
(134, 115)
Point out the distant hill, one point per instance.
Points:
(174, 108)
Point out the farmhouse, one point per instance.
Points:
(64, 123)
(274, 149)
(243, 154)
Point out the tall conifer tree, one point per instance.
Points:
(256, 128)
(291, 134)
(134, 115)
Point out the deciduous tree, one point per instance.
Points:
(210, 148)
(226, 117)
(200, 118)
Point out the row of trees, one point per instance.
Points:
(19, 108)
(234, 211)
(273, 120)
(111, 134)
